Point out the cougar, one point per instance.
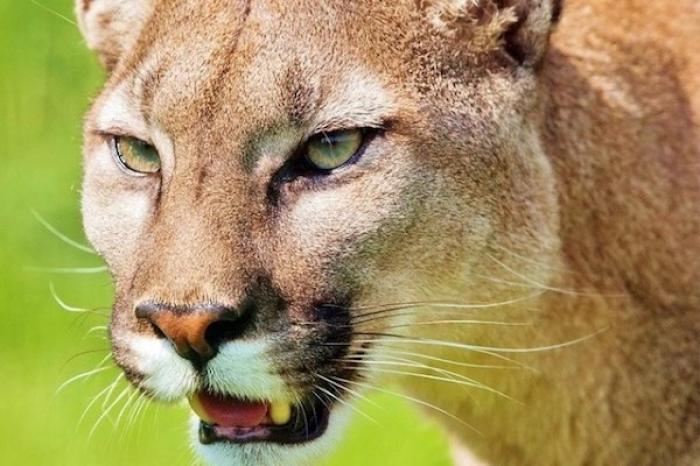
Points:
(490, 208)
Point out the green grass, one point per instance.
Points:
(46, 80)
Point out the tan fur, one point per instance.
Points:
(567, 184)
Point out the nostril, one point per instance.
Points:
(228, 328)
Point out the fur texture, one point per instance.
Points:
(515, 178)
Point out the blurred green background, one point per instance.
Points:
(47, 78)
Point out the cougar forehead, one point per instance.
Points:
(262, 63)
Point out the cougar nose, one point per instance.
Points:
(196, 332)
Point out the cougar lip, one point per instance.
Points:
(232, 420)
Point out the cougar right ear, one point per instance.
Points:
(111, 27)
(521, 28)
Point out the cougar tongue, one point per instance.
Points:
(229, 412)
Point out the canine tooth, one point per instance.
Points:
(280, 413)
(199, 409)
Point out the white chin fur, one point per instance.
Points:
(264, 454)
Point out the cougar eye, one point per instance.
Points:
(327, 151)
(136, 155)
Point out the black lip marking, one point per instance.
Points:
(306, 425)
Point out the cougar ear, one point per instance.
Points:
(111, 27)
(521, 28)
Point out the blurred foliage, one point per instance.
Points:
(46, 80)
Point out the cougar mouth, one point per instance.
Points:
(233, 420)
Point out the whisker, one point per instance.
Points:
(450, 361)
(489, 349)
(97, 328)
(461, 322)
(297, 401)
(82, 353)
(394, 361)
(142, 409)
(533, 262)
(106, 412)
(405, 362)
(419, 323)
(415, 400)
(99, 337)
(105, 402)
(143, 412)
(69, 308)
(70, 270)
(128, 402)
(542, 286)
(140, 405)
(349, 405)
(41, 219)
(323, 402)
(530, 286)
(80, 377)
(109, 388)
(468, 382)
(407, 339)
(304, 417)
(313, 405)
(55, 13)
(351, 391)
(441, 305)
(131, 411)
(401, 313)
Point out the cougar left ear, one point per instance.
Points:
(111, 27)
(521, 28)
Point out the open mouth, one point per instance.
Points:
(228, 419)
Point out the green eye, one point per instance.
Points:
(328, 151)
(136, 155)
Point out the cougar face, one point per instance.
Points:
(265, 179)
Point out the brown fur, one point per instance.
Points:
(507, 167)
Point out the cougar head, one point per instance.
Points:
(271, 182)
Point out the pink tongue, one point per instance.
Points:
(229, 412)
